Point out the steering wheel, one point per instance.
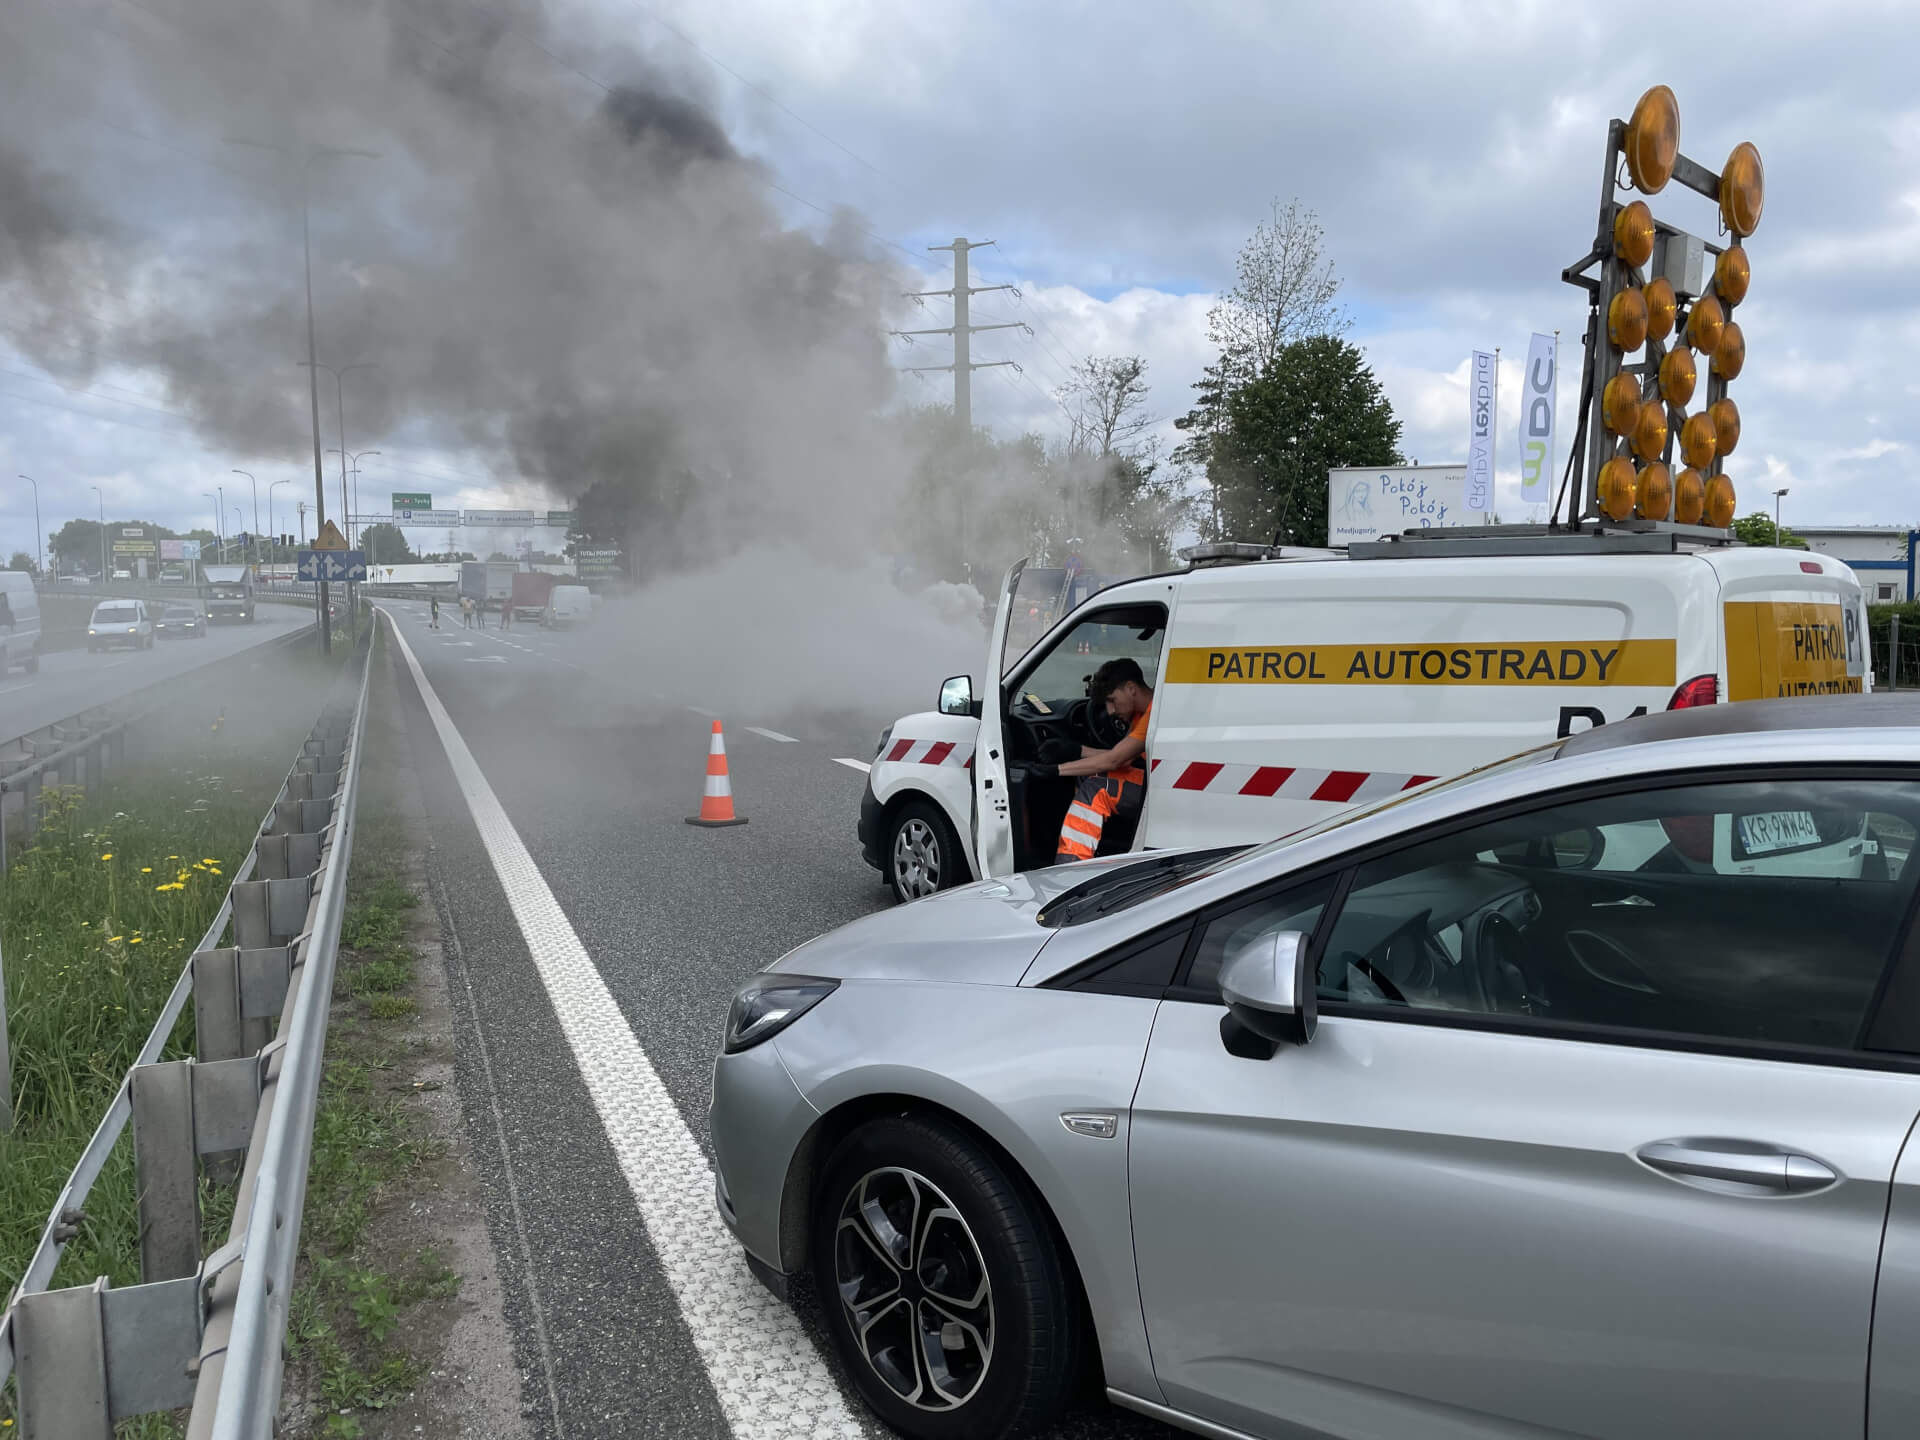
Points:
(1494, 952)
(1103, 729)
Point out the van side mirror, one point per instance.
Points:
(1271, 995)
(956, 695)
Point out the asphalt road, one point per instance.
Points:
(74, 680)
(624, 1324)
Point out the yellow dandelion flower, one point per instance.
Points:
(115, 939)
(107, 856)
(134, 941)
(146, 869)
(209, 860)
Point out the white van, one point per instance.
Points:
(1288, 687)
(120, 622)
(19, 621)
(567, 605)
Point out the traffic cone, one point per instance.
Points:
(716, 805)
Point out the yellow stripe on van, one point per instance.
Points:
(1787, 647)
(1521, 662)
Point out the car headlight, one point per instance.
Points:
(768, 1004)
(885, 736)
(93, 632)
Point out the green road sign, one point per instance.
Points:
(411, 500)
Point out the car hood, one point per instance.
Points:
(984, 934)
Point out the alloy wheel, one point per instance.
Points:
(916, 859)
(915, 1288)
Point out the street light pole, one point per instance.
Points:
(39, 545)
(1776, 512)
(307, 157)
(340, 402)
(256, 512)
(354, 456)
(216, 525)
(103, 533)
(272, 522)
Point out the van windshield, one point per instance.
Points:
(114, 615)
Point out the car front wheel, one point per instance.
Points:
(943, 1287)
(923, 853)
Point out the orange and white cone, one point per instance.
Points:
(716, 805)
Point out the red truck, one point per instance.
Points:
(530, 591)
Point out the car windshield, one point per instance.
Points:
(114, 615)
(182, 612)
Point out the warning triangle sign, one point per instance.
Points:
(330, 538)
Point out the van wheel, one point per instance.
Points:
(943, 1287)
(923, 853)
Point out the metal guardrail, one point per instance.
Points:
(207, 1331)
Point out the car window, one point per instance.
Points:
(1757, 911)
(1297, 907)
(1064, 673)
(115, 615)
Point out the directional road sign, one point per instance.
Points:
(332, 565)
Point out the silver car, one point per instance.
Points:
(1568, 1097)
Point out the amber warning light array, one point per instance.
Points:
(1660, 319)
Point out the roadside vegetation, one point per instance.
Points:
(98, 916)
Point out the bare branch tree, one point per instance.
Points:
(1106, 405)
(1286, 292)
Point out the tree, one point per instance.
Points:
(1757, 529)
(22, 561)
(1316, 407)
(1285, 293)
(1106, 405)
(386, 544)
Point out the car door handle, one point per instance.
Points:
(1635, 902)
(1738, 1166)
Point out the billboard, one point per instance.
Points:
(135, 541)
(598, 563)
(1368, 503)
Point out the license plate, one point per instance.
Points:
(1778, 830)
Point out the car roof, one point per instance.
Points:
(1885, 711)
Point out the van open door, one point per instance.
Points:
(992, 803)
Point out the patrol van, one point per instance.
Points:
(1291, 683)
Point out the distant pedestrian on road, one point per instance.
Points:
(506, 614)
(433, 607)
(466, 612)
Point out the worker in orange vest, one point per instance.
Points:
(1113, 782)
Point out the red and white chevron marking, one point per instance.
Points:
(1343, 787)
(929, 752)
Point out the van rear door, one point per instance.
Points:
(1795, 624)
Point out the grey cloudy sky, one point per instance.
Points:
(1119, 153)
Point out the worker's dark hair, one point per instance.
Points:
(1111, 676)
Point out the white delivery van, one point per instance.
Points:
(567, 605)
(1288, 687)
(19, 621)
(120, 622)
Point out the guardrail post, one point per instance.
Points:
(60, 1343)
(165, 1169)
(1893, 652)
(6, 1058)
(216, 1005)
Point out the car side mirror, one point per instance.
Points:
(956, 695)
(1270, 992)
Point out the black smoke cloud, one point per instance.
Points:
(558, 258)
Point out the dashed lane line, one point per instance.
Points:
(770, 1380)
(773, 735)
(862, 766)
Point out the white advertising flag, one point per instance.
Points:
(1481, 400)
(1539, 384)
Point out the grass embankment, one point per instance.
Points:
(97, 918)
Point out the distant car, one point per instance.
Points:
(1533, 1102)
(567, 605)
(120, 622)
(180, 622)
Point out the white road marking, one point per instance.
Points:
(704, 714)
(862, 766)
(774, 735)
(769, 1379)
(484, 659)
(27, 685)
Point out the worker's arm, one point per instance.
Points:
(1099, 762)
